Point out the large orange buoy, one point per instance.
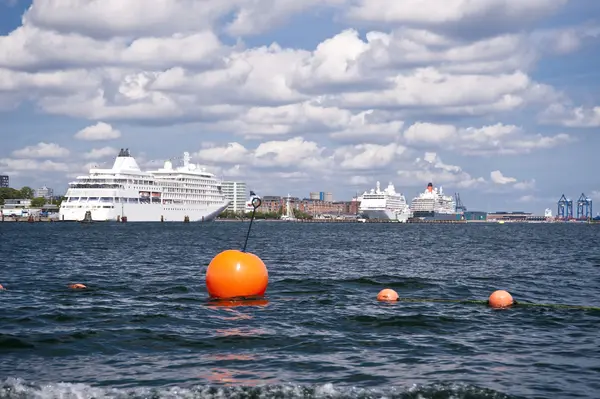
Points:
(387, 294)
(500, 299)
(234, 273)
(77, 286)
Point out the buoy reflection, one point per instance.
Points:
(238, 377)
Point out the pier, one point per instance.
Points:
(433, 221)
(28, 219)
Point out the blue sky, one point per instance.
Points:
(498, 100)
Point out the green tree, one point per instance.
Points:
(26, 192)
(58, 201)
(38, 202)
(8, 193)
(298, 214)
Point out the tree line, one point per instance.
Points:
(263, 215)
(24, 193)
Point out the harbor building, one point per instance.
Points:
(4, 181)
(475, 215)
(44, 192)
(313, 207)
(516, 216)
(235, 192)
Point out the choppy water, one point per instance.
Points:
(146, 329)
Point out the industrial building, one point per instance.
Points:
(4, 181)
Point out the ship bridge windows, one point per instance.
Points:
(96, 185)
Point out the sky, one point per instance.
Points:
(498, 100)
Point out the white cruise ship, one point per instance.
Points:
(386, 204)
(433, 204)
(125, 192)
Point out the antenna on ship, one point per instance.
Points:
(256, 201)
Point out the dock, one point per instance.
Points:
(432, 221)
(9, 219)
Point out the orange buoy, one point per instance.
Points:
(387, 294)
(234, 273)
(77, 286)
(500, 299)
(1, 287)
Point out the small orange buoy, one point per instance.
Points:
(500, 299)
(234, 273)
(77, 286)
(387, 294)
(1, 287)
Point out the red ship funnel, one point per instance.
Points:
(430, 187)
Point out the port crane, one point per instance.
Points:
(459, 205)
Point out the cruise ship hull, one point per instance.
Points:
(380, 214)
(143, 213)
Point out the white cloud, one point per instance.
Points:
(305, 155)
(429, 133)
(42, 150)
(430, 168)
(442, 93)
(106, 19)
(32, 165)
(498, 178)
(29, 48)
(578, 117)
(367, 156)
(507, 13)
(99, 131)
(311, 118)
(231, 154)
(525, 185)
(351, 109)
(358, 180)
(295, 152)
(99, 153)
(497, 139)
(189, 73)
(259, 15)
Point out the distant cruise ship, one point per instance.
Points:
(386, 204)
(125, 191)
(433, 204)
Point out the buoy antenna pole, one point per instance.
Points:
(256, 201)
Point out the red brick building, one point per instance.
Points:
(312, 207)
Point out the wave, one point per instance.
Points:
(15, 388)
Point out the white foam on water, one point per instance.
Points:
(16, 388)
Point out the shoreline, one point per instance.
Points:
(322, 221)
